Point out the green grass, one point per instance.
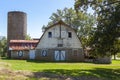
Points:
(103, 71)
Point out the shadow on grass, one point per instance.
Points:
(77, 74)
(40, 61)
(5, 58)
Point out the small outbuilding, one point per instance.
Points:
(22, 49)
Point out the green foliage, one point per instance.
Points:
(77, 21)
(105, 38)
(3, 46)
(28, 37)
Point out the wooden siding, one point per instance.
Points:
(14, 55)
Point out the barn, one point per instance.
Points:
(59, 42)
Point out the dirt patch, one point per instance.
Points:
(7, 74)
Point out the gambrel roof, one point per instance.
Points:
(59, 22)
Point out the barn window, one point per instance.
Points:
(44, 53)
(69, 34)
(20, 53)
(60, 43)
(49, 34)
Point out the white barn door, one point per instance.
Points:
(59, 55)
(62, 55)
(32, 54)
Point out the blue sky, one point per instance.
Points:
(38, 13)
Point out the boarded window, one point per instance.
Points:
(63, 34)
(69, 34)
(20, 53)
(49, 34)
(44, 53)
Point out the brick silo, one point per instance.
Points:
(17, 26)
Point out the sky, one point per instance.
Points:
(38, 13)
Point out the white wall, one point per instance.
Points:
(46, 42)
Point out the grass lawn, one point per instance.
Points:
(75, 70)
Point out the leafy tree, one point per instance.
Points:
(3, 46)
(57, 16)
(108, 24)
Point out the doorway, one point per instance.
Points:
(59, 55)
(32, 54)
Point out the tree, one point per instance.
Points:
(108, 24)
(57, 16)
(3, 46)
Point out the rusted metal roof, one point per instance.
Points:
(24, 41)
(22, 44)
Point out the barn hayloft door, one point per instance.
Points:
(32, 54)
(59, 55)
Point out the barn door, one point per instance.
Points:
(32, 54)
(62, 55)
(59, 55)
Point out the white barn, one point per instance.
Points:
(59, 42)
